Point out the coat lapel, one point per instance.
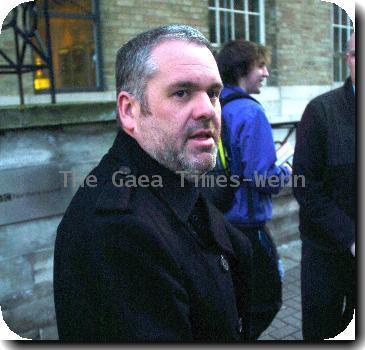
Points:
(217, 227)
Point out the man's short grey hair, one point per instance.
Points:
(134, 66)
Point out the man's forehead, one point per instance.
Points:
(178, 58)
(179, 50)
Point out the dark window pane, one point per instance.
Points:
(336, 40)
(253, 5)
(344, 17)
(212, 33)
(254, 28)
(335, 14)
(225, 4)
(239, 26)
(344, 39)
(238, 5)
(225, 26)
(67, 6)
(211, 3)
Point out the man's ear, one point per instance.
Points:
(128, 110)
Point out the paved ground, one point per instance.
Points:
(287, 323)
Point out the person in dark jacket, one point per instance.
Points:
(247, 135)
(142, 256)
(325, 154)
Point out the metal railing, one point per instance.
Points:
(23, 19)
(290, 126)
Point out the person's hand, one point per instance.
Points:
(353, 249)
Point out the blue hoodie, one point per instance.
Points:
(248, 138)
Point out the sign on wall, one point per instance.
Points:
(32, 192)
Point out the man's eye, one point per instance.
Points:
(180, 93)
(213, 94)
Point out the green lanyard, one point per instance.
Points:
(222, 154)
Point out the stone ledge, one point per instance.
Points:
(57, 114)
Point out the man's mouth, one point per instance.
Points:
(203, 137)
(202, 134)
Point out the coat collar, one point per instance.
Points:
(180, 195)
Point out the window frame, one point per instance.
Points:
(339, 54)
(95, 17)
(216, 9)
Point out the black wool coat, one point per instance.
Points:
(130, 267)
(325, 154)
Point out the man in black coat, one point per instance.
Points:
(142, 256)
(325, 154)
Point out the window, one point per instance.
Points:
(342, 29)
(75, 45)
(236, 19)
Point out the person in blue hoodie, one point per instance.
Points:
(247, 136)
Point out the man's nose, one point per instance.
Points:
(265, 72)
(204, 107)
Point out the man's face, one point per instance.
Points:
(182, 126)
(350, 57)
(252, 83)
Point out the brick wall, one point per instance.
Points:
(123, 19)
(271, 28)
(300, 35)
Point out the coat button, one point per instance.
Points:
(224, 264)
(239, 325)
(124, 170)
(194, 220)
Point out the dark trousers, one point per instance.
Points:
(328, 292)
(267, 286)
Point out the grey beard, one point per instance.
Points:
(176, 162)
(162, 149)
(194, 169)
